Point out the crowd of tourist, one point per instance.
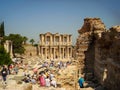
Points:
(43, 78)
(43, 75)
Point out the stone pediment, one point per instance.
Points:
(48, 34)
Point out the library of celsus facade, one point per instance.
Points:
(55, 46)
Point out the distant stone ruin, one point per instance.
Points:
(98, 53)
(55, 46)
(30, 50)
(9, 47)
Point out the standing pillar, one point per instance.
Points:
(7, 46)
(59, 40)
(59, 47)
(68, 53)
(59, 52)
(54, 40)
(11, 49)
(53, 53)
(67, 39)
(63, 54)
(41, 52)
(45, 53)
(51, 40)
(45, 39)
(50, 53)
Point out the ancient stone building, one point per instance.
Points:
(55, 46)
(98, 53)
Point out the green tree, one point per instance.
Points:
(4, 56)
(17, 41)
(25, 40)
(2, 33)
(32, 41)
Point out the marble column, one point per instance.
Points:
(53, 53)
(54, 40)
(68, 53)
(41, 52)
(51, 40)
(63, 53)
(59, 52)
(59, 40)
(50, 53)
(45, 53)
(11, 47)
(67, 39)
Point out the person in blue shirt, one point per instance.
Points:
(81, 82)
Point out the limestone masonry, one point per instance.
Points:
(98, 53)
(55, 46)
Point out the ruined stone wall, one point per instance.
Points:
(98, 53)
(85, 44)
(30, 50)
(107, 59)
(112, 81)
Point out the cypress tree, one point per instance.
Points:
(2, 33)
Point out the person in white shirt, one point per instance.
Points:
(47, 81)
(54, 83)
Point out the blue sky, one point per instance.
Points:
(32, 17)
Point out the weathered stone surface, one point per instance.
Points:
(98, 52)
(55, 46)
(85, 43)
(107, 60)
(116, 28)
(30, 50)
(27, 86)
(92, 24)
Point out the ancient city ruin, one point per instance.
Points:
(96, 56)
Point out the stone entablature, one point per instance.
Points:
(55, 46)
(55, 39)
